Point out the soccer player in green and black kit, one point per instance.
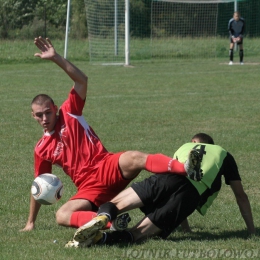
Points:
(167, 200)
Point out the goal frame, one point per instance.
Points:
(127, 24)
(127, 31)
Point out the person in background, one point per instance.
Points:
(236, 28)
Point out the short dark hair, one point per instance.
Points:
(204, 138)
(41, 99)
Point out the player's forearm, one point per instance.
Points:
(249, 223)
(185, 226)
(243, 30)
(73, 72)
(246, 212)
(34, 209)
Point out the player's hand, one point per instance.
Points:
(28, 227)
(238, 39)
(46, 48)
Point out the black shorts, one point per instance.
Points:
(168, 200)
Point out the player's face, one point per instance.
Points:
(45, 115)
(236, 16)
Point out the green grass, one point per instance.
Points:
(103, 50)
(152, 107)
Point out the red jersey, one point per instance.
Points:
(72, 145)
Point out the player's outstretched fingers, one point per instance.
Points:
(49, 41)
(40, 44)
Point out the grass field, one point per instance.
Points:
(152, 107)
(164, 49)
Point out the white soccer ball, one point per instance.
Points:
(47, 189)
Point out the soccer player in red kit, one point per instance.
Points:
(69, 142)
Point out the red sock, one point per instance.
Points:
(79, 218)
(159, 163)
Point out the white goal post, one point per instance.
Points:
(67, 30)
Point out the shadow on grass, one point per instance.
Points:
(206, 235)
(197, 236)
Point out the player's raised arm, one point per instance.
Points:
(48, 52)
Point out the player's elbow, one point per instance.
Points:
(82, 81)
(85, 79)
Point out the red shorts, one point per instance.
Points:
(104, 183)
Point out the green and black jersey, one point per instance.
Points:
(216, 162)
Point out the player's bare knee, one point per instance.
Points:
(62, 218)
(58, 217)
(131, 163)
(132, 160)
(138, 159)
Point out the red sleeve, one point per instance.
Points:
(41, 166)
(74, 104)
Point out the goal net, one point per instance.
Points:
(106, 30)
(167, 29)
(187, 29)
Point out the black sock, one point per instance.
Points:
(231, 54)
(117, 237)
(241, 55)
(109, 209)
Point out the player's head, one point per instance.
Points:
(236, 16)
(44, 111)
(202, 138)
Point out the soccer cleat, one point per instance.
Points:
(242, 63)
(120, 223)
(86, 231)
(72, 243)
(230, 63)
(92, 240)
(192, 165)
